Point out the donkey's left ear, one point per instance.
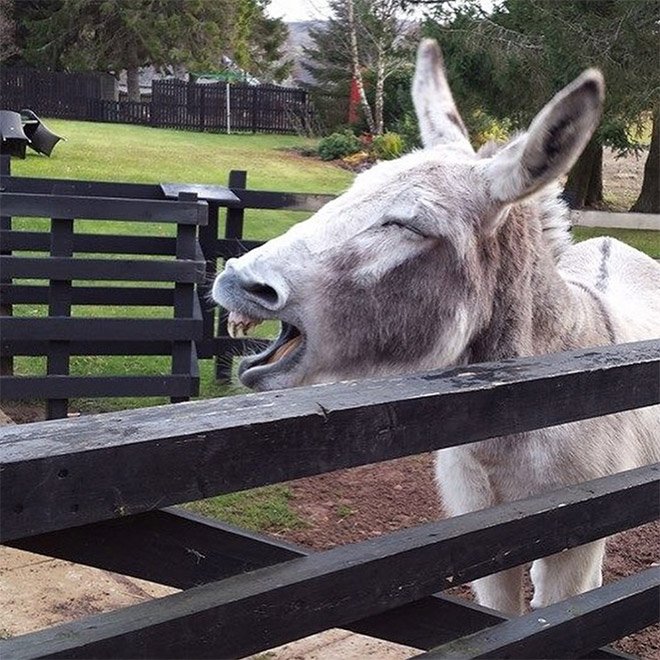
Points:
(438, 118)
(552, 144)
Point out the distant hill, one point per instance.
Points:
(293, 48)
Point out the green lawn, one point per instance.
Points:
(645, 240)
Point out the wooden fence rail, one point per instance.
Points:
(56, 498)
(71, 259)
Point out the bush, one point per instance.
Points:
(387, 146)
(338, 145)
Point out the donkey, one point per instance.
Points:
(447, 257)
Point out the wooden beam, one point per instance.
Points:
(103, 208)
(569, 628)
(204, 448)
(610, 220)
(251, 612)
(182, 549)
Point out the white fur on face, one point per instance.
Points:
(427, 189)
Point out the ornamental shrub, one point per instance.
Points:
(387, 146)
(338, 145)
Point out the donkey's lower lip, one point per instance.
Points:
(281, 355)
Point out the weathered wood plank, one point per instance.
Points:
(248, 613)
(110, 329)
(41, 387)
(103, 208)
(285, 201)
(38, 241)
(204, 448)
(569, 628)
(147, 296)
(609, 220)
(171, 546)
(183, 550)
(77, 268)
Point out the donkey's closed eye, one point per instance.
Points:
(403, 225)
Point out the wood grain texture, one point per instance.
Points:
(248, 613)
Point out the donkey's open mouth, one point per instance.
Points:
(280, 355)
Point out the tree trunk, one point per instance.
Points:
(649, 198)
(584, 186)
(133, 83)
(355, 65)
(594, 196)
(380, 91)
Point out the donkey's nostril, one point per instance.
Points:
(262, 292)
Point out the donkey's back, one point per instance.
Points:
(626, 280)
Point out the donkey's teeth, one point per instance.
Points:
(239, 325)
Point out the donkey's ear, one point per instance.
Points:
(553, 142)
(439, 121)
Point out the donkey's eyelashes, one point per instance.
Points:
(404, 225)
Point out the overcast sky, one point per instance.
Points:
(299, 10)
(306, 10)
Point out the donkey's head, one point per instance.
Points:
(390, 276)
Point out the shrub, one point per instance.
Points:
(387, 146)
(338, 145)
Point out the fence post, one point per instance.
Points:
(59, 304)
(6, 362)
(233, 229)
(184, 298)
(255, 101)
(202, 107)
(228, 107)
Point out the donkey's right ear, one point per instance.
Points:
(438, 118)
(552, 144)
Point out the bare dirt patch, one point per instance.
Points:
(353, 505)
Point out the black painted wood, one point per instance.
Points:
(183, 550)
(110, 329)
(59, 304)
(127, 270)
(234, 221)
(36, 241)
(248, 613)
(43, 387)
(103, 208)
(184, 356)
(92, 295)
(170, 546)
(569, 628)
(46, 186)
(272, 437)
(284, 201)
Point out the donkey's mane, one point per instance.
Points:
(553, 210)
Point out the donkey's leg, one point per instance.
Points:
(502, 591)
(466, 486)
(567, 573)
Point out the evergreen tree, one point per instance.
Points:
(509, 61)
(128, 34)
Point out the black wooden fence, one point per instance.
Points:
(204, 323)
(65, 492)
(174, 103)
(39, 293)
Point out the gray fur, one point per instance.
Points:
(488, 273)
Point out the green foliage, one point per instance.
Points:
(385, 50)
(338, 145)
(387, 146)
(508, 62)
(126, 34)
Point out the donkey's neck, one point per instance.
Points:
(532, 309)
